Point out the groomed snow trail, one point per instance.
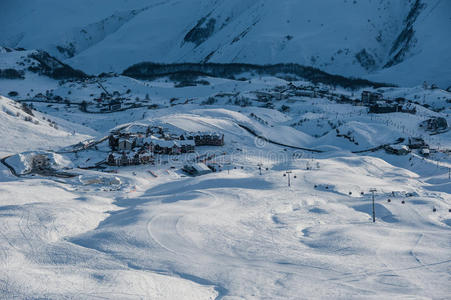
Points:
(251, 236)
(37, 218)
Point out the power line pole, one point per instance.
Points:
(228, 165)
(374, 211)
(288, 173)
(103, 88)
(260, 165)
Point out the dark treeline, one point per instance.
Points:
(11, 74)
(52, 67)
(148, 70)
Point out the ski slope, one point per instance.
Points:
(37, 217)
(229, 235)
(23, 132)
(232, 234)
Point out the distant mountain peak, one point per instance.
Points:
(379, 40)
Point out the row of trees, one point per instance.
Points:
(11, 74)
(148, 70)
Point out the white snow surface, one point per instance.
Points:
(22, 132)
(152, 232)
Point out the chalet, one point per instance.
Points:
(379, 108)
(130, 158)
(425, 151)
(171, 147)
(416, 143)
(112, 159)
(197, 169)
(370, 97)
(134, 159)
(207, 139)
(186, 146)
(435, 124)
(113, 142)
(125, 144)
(305, 93)
(408, 108)
(139, 140)
(162, 146)
(382, 107)
(397, 149)
(114, 105)
(124, 160)
(146, 158)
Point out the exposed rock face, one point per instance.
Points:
(406, 39)
(403, 41)
(201, 32)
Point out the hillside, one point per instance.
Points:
(150, 231)
(403, 42)
(25, 129)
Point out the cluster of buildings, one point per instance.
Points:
(109, 102)
(435, 124)
(369, 98)
(412, 143)
(375, 101)
(282, 92)
(378, 105)
(138, 144)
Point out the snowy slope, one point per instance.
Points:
(36, 217)
(229, 235)
(21, 132)
(399, 41)
(151, 232)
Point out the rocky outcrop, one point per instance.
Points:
(406, 38)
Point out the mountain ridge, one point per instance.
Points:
(378, 40)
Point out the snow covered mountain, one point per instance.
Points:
(403, 41)
(255, 172)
